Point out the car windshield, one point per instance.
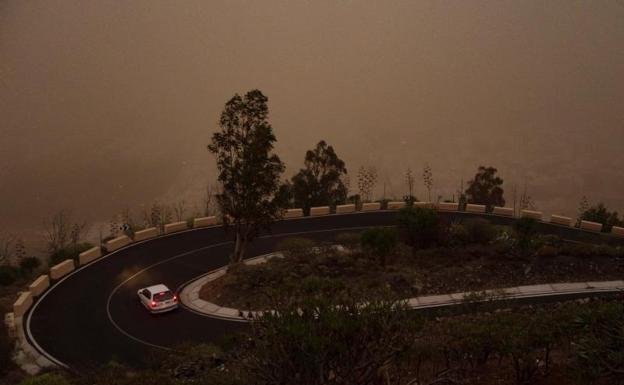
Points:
(163, 296)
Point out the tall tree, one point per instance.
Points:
(485, 188)
(249, 173)
(320, 182)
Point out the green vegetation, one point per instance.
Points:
(249, 172)
(420, 226)
(320, 182)
(68, 252)
(485, 189)
(598, 213)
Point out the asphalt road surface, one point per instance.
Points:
(94, 316)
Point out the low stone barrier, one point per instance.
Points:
(21, 306)
(117, 243)
(293, 213)
(204, 221)
(591, 226)
(423, 205)
(62, 269)
(396, 205)
(90, 255)
(39, 285)
(342, 209)
(175, 226)
(531, 214)
(473, 208)
(372, 206)
(561, 220)
(505, 211)
(148, 233)
(448, 206)
(617, 231)
(322, 210)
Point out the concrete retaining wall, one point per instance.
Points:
(322, 210)
(204, 222)
(342, 209)
(62, 269)
(90, 255)
(423, 205)
(591, 226)
(175, 226)
(531, 214)
(472, 208)
(448, 206)
(617, 231)
(505, 211)
(372, 206)
(396, 205)
(21, 306)
(39, 285)
(561, 220)
(293, 213)
(117, 243)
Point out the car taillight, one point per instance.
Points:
(153, 304)
(175, 298)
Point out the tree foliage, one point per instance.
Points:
(599, 213)
(320, 182)
(420, 225)
(485, 188)
(328, 340)
(380, 242)
(249, 173)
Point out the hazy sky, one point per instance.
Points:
(105, 104)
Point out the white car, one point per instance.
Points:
(158, 298)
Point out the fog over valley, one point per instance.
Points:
(107, 105)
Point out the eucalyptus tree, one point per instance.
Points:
(249, 171)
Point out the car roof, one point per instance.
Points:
(157, 288)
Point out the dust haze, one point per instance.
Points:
(106, 105)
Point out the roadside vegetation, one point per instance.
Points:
(320, 340)
(423, 256)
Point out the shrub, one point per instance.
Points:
(525, 229)
(479, 230)
(421, 226)
(547, 251)
(28, 264)
(6, 350)
(8, 275)
(46, 379)
(295, 244)
(68, 252)
(458, 235)
(380, 242)
(349, 240)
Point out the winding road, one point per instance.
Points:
(93, 316)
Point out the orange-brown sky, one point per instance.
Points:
(105, 104)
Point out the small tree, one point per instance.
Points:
(380, 242)
(428, 180)
(321, 181)
(485, 188)
(599, 213)
(248, 172)
(420, 225)
(179, 210)
(6, 249)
